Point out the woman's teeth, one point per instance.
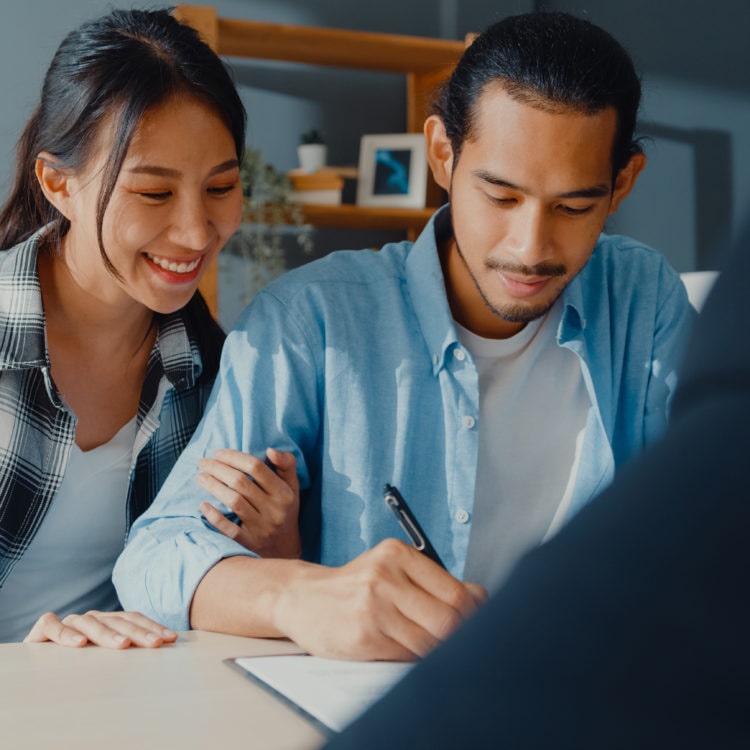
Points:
(172, 266)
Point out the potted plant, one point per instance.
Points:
(312, 151)
(256, 253)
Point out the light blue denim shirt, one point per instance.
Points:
(352, 362)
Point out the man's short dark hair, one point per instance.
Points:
(552, 61)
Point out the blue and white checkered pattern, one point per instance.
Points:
(37, 429)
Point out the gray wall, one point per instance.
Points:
(696, 110)
(694, 57)
(282, 100)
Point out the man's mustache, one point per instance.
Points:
(540, 269)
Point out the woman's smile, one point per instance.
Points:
(180, 267)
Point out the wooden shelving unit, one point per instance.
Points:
(424, 61)
(358, 217)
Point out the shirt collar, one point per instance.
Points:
(22, 343)
(573, 321)
(426, 286)
(179, 353)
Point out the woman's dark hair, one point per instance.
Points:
(118, 66)
(551, 61)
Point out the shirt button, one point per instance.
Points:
(468, 422)
(462, 516)
(459, 354)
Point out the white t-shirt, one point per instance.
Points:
(533, 406)
(68, 565)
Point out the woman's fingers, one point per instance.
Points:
(221, 523)
(115, 630)
(264, 496)
(50, 628)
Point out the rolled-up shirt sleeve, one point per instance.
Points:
(265, 395)
(163, 564)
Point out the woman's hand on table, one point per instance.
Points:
(109, 629)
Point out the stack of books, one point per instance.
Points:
(322, 187)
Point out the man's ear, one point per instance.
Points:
(625, 180)
(439, 151)
(54, 181)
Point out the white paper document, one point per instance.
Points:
(330, 692)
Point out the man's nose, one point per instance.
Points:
(530, 233)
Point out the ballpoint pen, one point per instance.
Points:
(409, 523)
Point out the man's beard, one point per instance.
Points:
(517, 313)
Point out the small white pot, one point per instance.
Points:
(312, 156)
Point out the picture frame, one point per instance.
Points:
(392, 170)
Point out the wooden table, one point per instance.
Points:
(180, 696)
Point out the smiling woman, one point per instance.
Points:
(127, 187)
(171, 210)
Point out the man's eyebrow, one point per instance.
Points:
(167, 172)
(595, 191)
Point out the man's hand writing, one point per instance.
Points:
(391, 602)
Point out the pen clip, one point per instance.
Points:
(409, 523)
(405, 522)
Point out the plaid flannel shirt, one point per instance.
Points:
(37, 429)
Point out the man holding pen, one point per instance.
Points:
(496, 371)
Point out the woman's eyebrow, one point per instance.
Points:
(157, 171)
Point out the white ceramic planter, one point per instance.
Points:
(312, 156)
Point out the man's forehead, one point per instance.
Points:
(502, 117)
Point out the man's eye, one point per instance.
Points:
(571, 211)
(501, 201)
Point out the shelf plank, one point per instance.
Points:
(349, 216)
(426, 62)
(365, 217)
(397, 53)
